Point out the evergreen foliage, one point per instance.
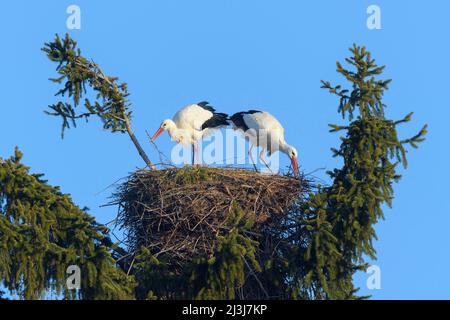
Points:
(220, 276)
(42, 233)
(371, 151)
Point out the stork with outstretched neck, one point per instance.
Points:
(191, 124)
(263, 130)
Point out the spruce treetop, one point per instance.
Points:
(371, 151)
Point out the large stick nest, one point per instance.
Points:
(180, 212)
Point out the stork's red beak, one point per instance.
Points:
(295, 166)
(157, 133)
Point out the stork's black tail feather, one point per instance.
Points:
(218, 120)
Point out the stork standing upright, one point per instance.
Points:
(263, 130)
(191, 124)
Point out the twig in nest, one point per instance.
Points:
(160, 153)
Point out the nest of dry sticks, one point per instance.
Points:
(180, 212)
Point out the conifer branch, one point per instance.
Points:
(110, 105)
(419, 137)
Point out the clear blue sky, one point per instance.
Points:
(237, 54)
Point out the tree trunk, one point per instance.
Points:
(137, 145)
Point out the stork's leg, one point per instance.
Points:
(196, 152)
(261, 156)
(251, 157)
(193, 154)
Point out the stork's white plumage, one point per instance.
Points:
(191, 124)
(263, 130)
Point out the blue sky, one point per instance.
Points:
(269, 55)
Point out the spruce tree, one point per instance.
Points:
(42, 233)
(349, 208)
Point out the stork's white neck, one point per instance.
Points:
(172, 129)
(285, 147)
(177, 134)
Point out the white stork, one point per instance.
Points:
(265, 131)
(192, 123)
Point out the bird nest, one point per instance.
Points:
(181, 212)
